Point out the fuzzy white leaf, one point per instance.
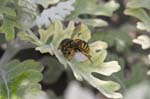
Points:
(27, 4)
(81, 67)
(53, 14)
(148, 72)
(143, 40)
(83, 70)
(143, 26)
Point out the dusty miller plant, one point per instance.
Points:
(137, 8)
(19, 80)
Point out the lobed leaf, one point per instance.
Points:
(8, 11)
(93, 8)
(46, 34)
(137, 10)
(20, 78)
(121, 42)
(84, 69)
(59, 12)
(138, 13)
(143, 40)
(8, 28)
(139, 4)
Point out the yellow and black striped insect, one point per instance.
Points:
(83, 47)
(69, 46)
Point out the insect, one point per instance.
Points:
(83, 47)
(69, 46)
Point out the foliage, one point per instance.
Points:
(143, 40)
(82, 69)
(121, 42)
(40, 25)
(9, 16)
(94, 9)
(54, 68)
(18, 79)
(54, 13)
(139, 10)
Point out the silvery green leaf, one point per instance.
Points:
(94, 8)
(143, 40)
(99, 45)
(46, 34)
(26, 20)
(60, 34)
(136, 9)
(148, 72)
(143, 26)
(59, 12)
(82, 32)
(45, 49)
(95, 22)
(8, 28)
(84, 69)
(139, 4)
(20, 79)
(138, 13)
(27, 5)
(29, 36)
(8, 11)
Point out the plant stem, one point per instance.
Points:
(12, 49)
(9, 53)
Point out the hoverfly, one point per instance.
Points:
(69, 46)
